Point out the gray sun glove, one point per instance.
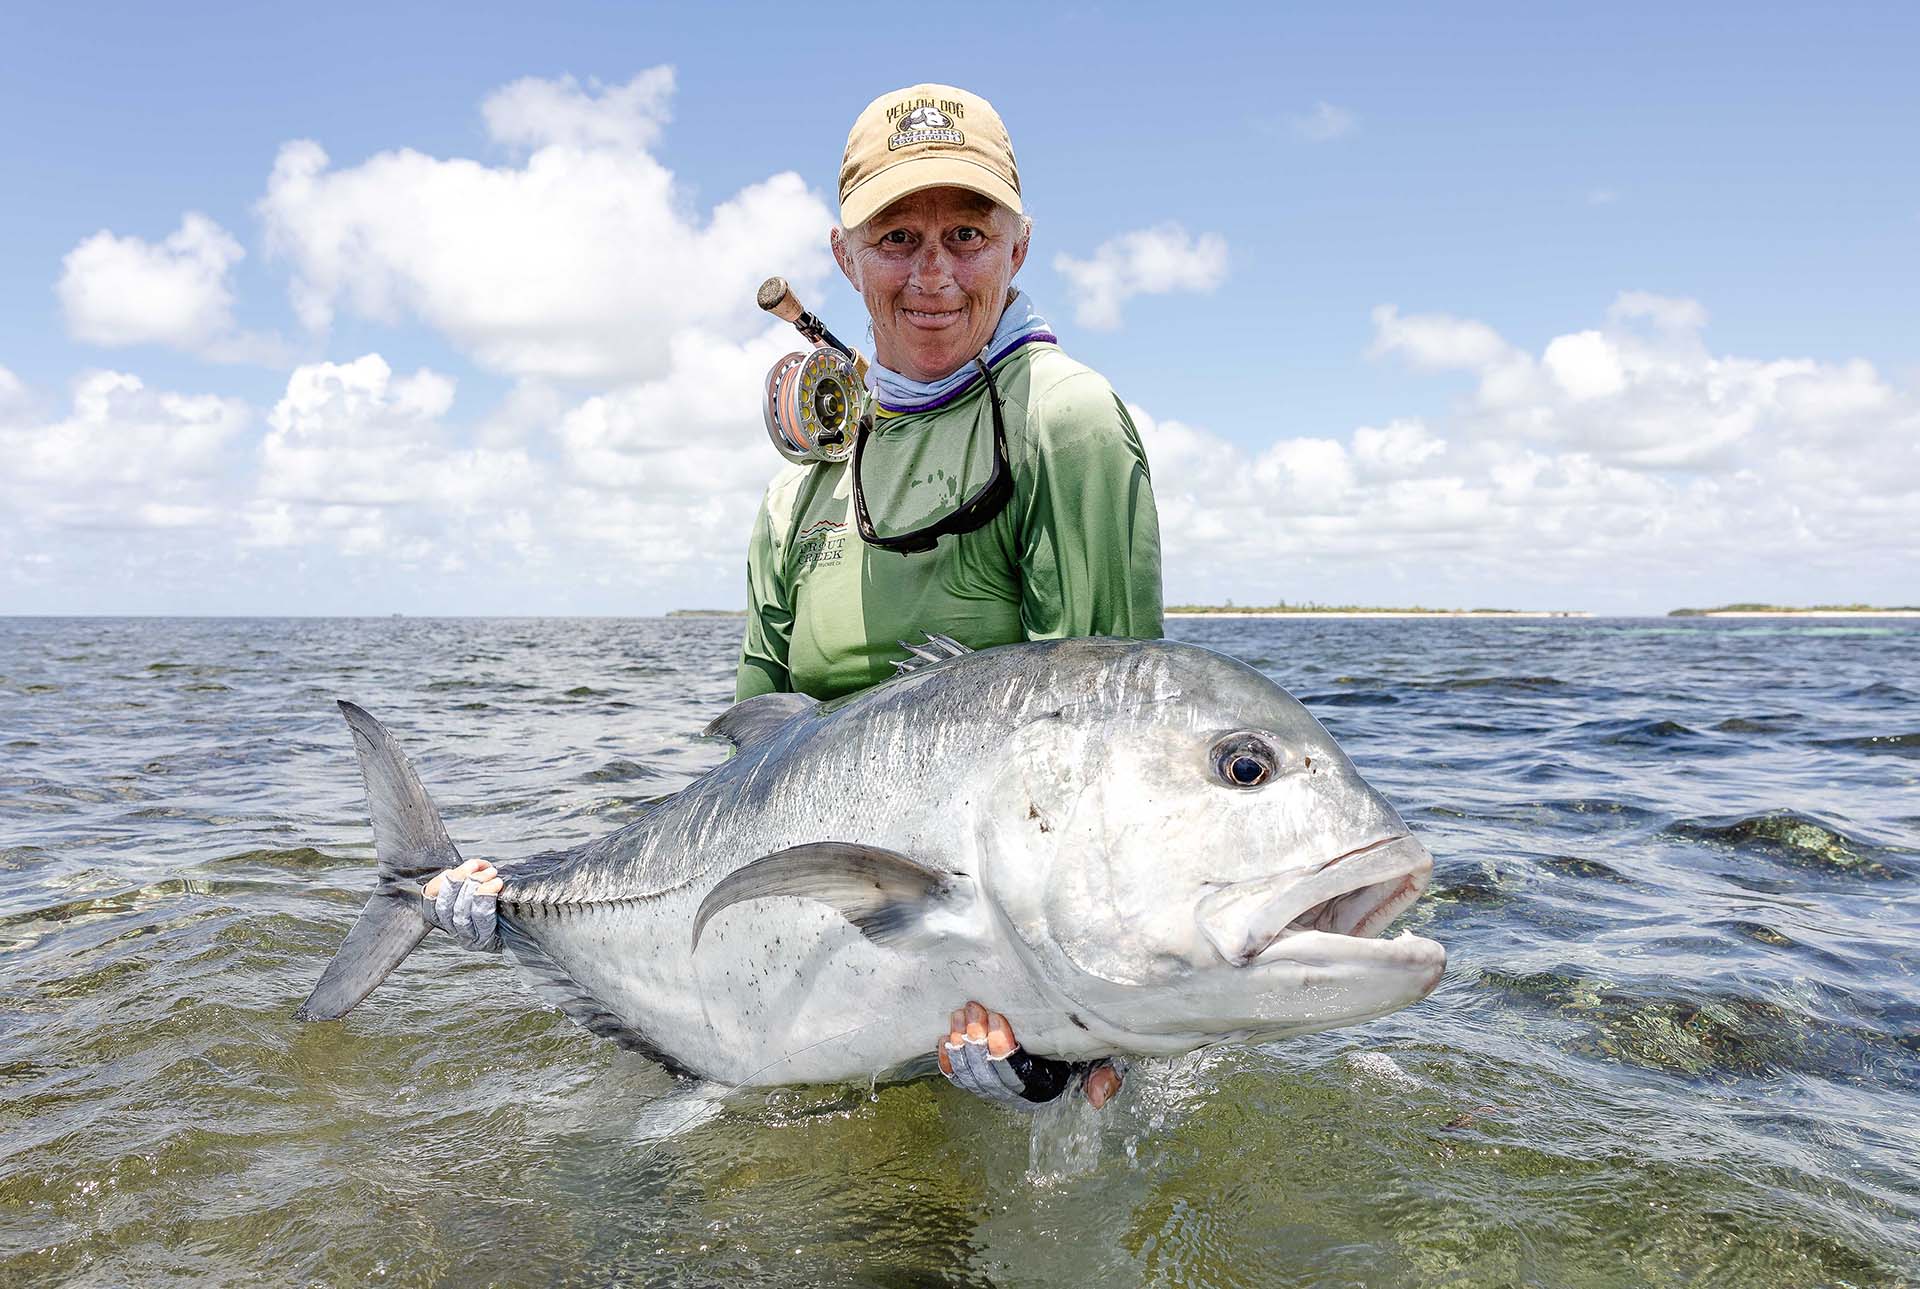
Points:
(1019, 1080)
(465, 914)
(991, 1078)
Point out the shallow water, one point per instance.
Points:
(1678, 1041)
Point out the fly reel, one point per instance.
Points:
(812, 406)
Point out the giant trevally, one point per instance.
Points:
(1127, 847)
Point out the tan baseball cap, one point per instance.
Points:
(926, 136)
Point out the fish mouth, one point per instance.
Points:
(1355, 895)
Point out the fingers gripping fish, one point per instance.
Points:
(1130, 847)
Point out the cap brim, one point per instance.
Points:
(914, 174)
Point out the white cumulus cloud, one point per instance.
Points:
(695, 429)
(649, 483)
(1148, 261)
(1643, 390)
(1437, 341)
(1626, 463)
(117, 291)
(363, 461)
(581, 264)
(124, 456)
(533, 113)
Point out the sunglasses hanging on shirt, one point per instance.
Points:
(975, 512)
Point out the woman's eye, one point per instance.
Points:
(1244, 761)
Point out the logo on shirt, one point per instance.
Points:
(821, 542)
(925, 124)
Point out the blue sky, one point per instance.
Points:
(1610, 309)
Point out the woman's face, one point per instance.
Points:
(934, 268)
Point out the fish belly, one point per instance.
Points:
(780, 990)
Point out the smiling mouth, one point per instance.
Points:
(932, 320)
(1357, 894)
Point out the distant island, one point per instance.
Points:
(1309, 609)
(1793, 611)
(706, 613)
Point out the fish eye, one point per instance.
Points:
(1244, 760)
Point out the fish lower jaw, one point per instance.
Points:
(1422, 962)
(1330, 946)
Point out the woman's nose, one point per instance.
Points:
(932, 267)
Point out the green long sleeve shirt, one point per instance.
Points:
(1076, 551)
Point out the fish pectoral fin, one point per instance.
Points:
(753, 719)
(880, 891)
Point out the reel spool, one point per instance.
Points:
(812, 406)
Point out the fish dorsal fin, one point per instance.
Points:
(935, 648)
(753, 719)
(885, 894)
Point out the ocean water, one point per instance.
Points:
(1678, 1041)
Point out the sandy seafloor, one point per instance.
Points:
(1678, 1041)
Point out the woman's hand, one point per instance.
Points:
(460, 901)
(981, 1055)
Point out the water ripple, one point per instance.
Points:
(1678, 1042)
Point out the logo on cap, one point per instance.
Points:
(925, 125)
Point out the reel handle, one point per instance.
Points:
(777, 298)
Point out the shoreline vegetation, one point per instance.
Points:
(1791, 611)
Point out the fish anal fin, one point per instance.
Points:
(749, 721)
(882, 892)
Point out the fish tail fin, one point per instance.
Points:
(412, 845)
